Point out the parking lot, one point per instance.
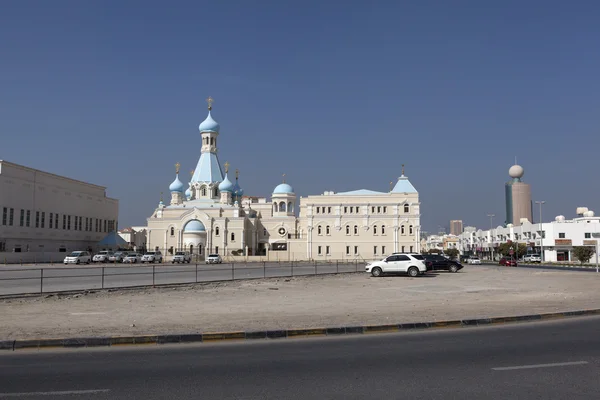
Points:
(308, 301)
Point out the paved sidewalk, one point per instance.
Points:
(301, 302)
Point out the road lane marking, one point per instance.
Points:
(87, 313)
(564, 364)
(58, 393)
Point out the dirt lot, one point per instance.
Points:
(313, 301)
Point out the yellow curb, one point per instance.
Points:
(223, 336)
(307, 332)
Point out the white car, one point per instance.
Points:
(474, 260)
(182, 257)
(411, 264)
(118, 256)
(132, 258)
(152, 256)
(214, 259)
(532, 258)
(102, 256)
(78, 257)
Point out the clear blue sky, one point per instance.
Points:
(335, 94)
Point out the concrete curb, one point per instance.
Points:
(14, 345)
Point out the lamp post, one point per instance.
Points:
(491, 238)
(597, 237)
(540, 202)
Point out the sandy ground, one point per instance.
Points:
(299, 302)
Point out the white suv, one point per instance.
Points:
(152, 256)
(214, 259)
(102, 256)
(411, 264)
(78, 257)
(182, 257)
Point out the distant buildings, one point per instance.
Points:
(518, 197)
(456, 227)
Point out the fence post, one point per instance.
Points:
(41, 280)
(232, 273)
(153, 274)
(264, 269)
(196, 272)
(315, 267)
(102, 277)
(292, 268)
(356, 265)
(337, 269)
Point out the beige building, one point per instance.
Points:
(47, 213)
(456, 227)
(518, 197)
(214, 216)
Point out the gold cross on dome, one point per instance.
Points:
(402, 169)
(177, 166)
(283, 178)
(192, 172)
(237, 173)
(210, 101)
(226, 167)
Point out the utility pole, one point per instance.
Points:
(491, 237)
(540, 202)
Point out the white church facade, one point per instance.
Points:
(211, 214)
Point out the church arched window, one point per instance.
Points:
(203, 191)
(402, 230)
(374, 229)
(217, 231)
(319, 230)
(290, 207)
(347, 229)
(212, 140)
(383, 229)
(275, 207)
(282, 206)
(232, 236)
(172, 231)
(410, 229)
(356, 229)
(406, 209)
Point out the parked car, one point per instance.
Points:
(473, 260)
(532, 258)
(78, 257)
(435, 262)
(152, 257)
(118, 256)
(411, 264)
(214, 259)
(102, 256)
(132, 258)
(508, 262)
(182, 257)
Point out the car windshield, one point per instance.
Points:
(75, 254)
(150, 254)
(418, 257)
(180, 253)
(213, 255)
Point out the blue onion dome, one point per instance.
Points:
(209, 125)
(188, 193)
(177, 185)
(283, 188)
(226, 185)
(237, 190)
(194, 226)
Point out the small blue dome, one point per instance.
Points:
(283, 188)
(177, 185)
(226, 185)
(188, 193)
(194, 226)
(209, 125)
(237, 190)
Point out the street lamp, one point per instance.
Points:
(540, 202)
(491, 238)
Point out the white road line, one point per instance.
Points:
(60, 393)
(87, 313)
(564, 364)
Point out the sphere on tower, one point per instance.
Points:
(516, 172)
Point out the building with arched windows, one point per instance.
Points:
(211, 214)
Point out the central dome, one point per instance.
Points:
(209, 125)
(283, 188)
(194, 226)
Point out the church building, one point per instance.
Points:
(211, 214)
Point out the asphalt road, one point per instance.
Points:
(548, 360)
(35, 280)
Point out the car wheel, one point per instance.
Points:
(77, 262)
(453, 268)
(413, 272)
(376, 272)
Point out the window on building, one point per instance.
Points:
(561, 235)
(411, 249)
(264, 231)
(588, 235)
(28, 219)
(217, 249)
(172, 231)
(355, 250)
(212, 140)
(87, 224)
(347, 229)
(384, 209)
(217, 231)
(357, 210)
(410, 229)
(318, 210)
(203, 190)
(375, 250)
(378, 209)
(383, 229)
(345, 210)
(382, 249)
(347, 250)
(11, 217)
(319, 250)
(22, 218)
(319, 230)
(51, 221)
(374, 229)
(43, 218)
(403, 249)
(64, 222)
(356, 229)
(105, 226)
(402, 230)
(351, 210)
(4, 215)
(37, 219)
(328, 230)
(406, 209)
(372, 209)
(327, 250)
(328, 210)
(68, 222)
(232, 237)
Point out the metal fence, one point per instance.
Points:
(64, 279)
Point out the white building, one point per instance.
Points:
(135, 236)
(46, 213)
(214, 216)
(557, 237)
